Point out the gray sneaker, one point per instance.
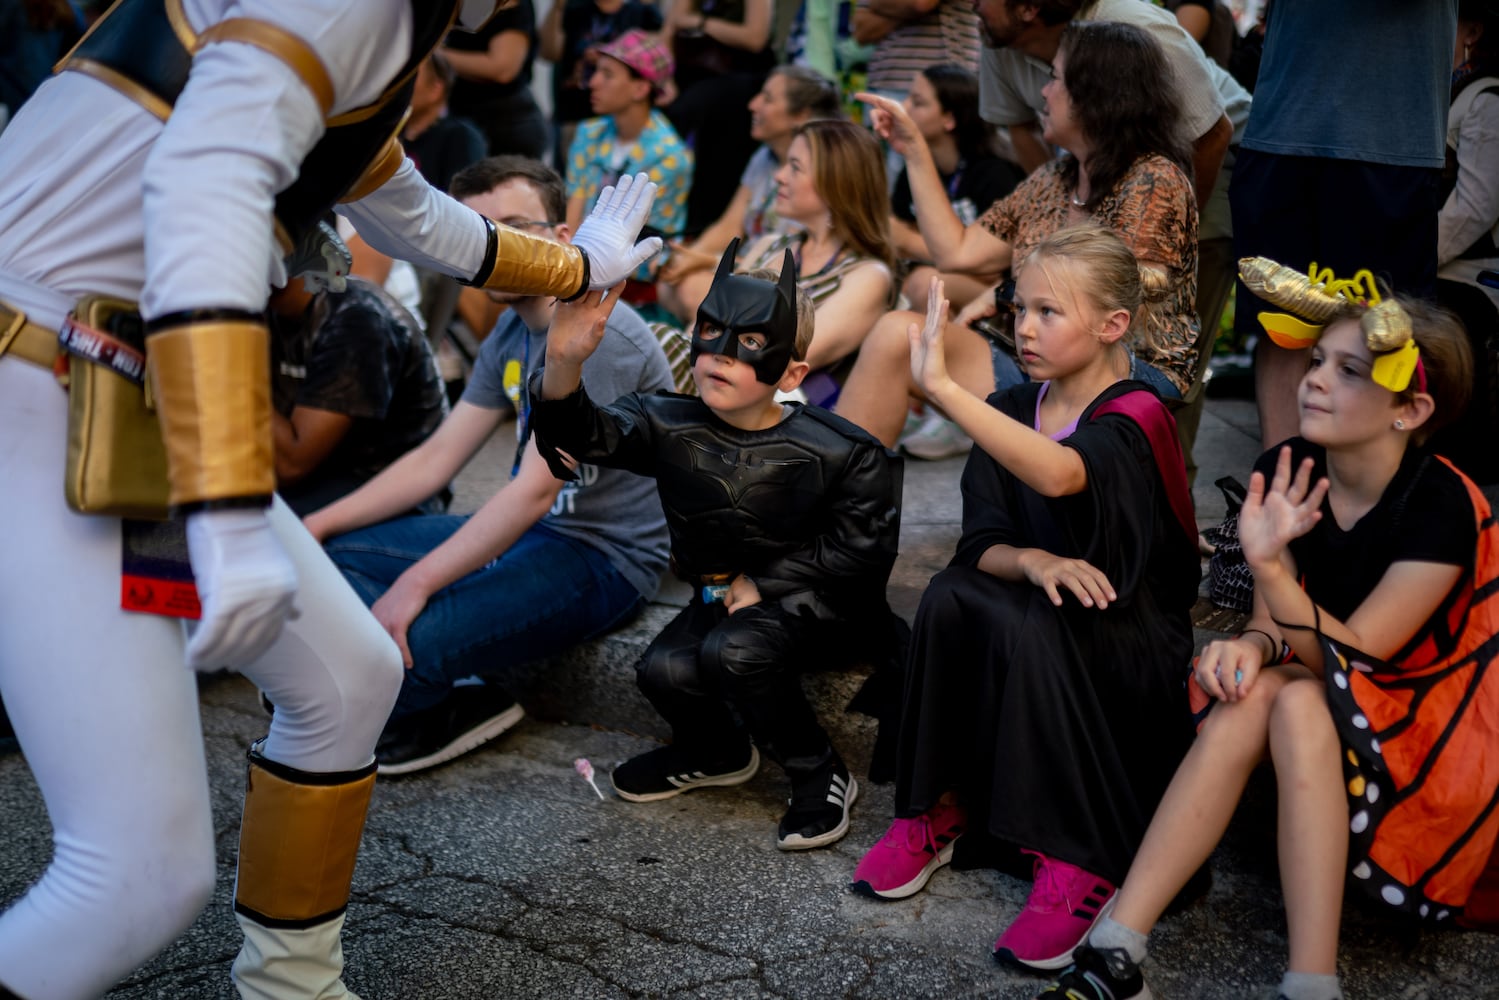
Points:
(936, 438)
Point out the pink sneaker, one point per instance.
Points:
(909, 852)
(1064, 905)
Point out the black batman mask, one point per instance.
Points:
(738, 304)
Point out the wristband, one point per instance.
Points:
(1283, 654)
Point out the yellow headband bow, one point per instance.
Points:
(1312, 300)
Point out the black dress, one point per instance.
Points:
(506, 113)
(1059, 728)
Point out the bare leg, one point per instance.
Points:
(1277, 373)
(961, 288)
(1312, 839)
(877, 393)
(1200, 801)
(668, 299)
(693, 291)
(688, 294)
(873, 397)
(969, 359)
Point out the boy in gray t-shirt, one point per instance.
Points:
(615, 512)
(538, 568)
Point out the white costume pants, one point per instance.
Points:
(107, 714)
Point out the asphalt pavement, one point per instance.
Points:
(505, 875)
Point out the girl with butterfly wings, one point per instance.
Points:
(1362, 676)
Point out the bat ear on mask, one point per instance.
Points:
(726, 262)
(787, 285)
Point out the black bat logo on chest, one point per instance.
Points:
(740, 471)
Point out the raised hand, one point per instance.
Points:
(1287, 509)
(893, 124)
(608, 234)
(578, 326)
(928, 353)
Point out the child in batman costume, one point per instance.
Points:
(783, 516)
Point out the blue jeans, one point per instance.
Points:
(545, 594)
(1007, 372)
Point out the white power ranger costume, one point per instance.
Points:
(158, 165)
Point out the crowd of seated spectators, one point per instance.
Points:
(790, 97)
(957, 188)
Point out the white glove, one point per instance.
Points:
(246, 583)
(608, 234)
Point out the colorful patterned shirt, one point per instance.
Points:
(1154, 209)
(595, 161)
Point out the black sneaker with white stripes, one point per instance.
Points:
(820, 801)
(1098, 974)
(669, 771)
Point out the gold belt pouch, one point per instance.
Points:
(117, 463)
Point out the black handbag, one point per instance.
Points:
(1230, 583)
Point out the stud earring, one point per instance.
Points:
(1400, 425)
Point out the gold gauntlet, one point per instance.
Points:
(212, 384)
(529, 265)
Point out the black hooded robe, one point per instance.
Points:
(1059, 728)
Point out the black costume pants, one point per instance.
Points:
(706, 661)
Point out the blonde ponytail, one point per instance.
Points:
(1148, 330)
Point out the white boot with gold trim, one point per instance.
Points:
(298, 842)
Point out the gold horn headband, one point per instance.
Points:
(1311, 300)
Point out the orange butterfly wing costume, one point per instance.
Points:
(1421, 752)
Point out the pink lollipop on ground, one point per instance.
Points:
(584, 768)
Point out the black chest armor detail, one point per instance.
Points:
(137, 40)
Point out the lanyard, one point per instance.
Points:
(796, 256)
(524, 401)
(955, 181)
